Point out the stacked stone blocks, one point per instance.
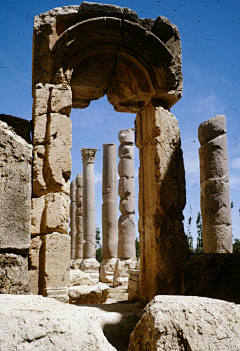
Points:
(51, 182)
(215, 191)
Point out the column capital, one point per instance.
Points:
(88, 155)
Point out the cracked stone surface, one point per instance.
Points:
(38, 323)
(187, 323)
(15, 189)
(14, 277)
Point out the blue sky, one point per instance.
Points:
(210, 36)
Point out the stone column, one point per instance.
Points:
(79, 221)
(126, 223)
(215, 192)
(73, 208)
(163, 245)
(52, 140)
(89, 264)
(109, 213)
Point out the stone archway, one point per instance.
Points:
(81, 53)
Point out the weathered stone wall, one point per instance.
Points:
(215, 190)
(15, 206)
(163, 245)
(52, 140)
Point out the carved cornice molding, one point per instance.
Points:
(88, 155)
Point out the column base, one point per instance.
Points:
(107, 270)
(122, 270)
(76, 264)
(91, 267)
(60, 294)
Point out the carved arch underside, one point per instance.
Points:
(117, 57)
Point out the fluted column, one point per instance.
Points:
(89, 263)
(109, 213)
(215, 192)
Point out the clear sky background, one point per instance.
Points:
(210, 36)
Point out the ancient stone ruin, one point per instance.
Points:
(215, 191)
(81, 53)
(138, 65)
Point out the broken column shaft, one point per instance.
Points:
(215, 192)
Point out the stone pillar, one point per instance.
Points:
(79, 221)
(73, 208)
(126, 223)
(162, 197)
(215, 192)
(52, 140)
(109, 213)
(89, 263)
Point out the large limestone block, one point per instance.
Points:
(58, 153)
(34, 263)
(212, 128)
(126, 151)
(55, 259)
(37, 218)
(40, 135)
(78, 277)
(127, 205)
(41, 100)
(126, 237)
(88, 294)
(14, 278)
(126, 136)
(187, 323)
(162, 199)
(15, 190)
(126, 187)
(39, 164)
(61, 99)
(56, 213)
(214, 158)
(38, 323)
(126, 168)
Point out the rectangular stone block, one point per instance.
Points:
(39, 161)
(58, 154)
(40, 129)
(37, 211)
(14, 278)
(15, 190)
(55, 257)
(41, 99)
(61, 101)
(56, 213)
